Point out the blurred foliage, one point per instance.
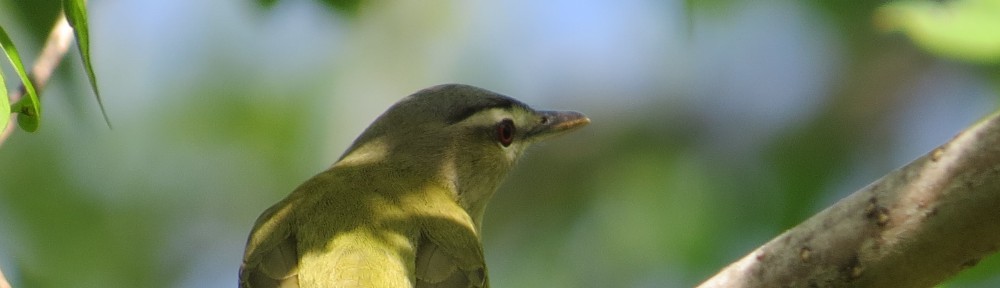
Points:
(967, 30)
(37, 16)
(4, 103)
(344, 7)
(811, 155)
(222, 114)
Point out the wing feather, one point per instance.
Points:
(271, 258)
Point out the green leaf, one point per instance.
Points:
(27, 121)
(76, 13)
(32, 110)
(967, 30)
(4, 104)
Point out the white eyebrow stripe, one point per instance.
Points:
(522, 118)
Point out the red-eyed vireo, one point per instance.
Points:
(403, 206)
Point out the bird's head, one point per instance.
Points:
(464, 137)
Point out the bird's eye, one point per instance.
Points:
(505, 132)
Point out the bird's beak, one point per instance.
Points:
(556, 123)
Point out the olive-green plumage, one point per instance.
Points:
(403, 206)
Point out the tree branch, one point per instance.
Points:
(55, 48)
(915, 227)
(3, 281)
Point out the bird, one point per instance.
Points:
(403, 206)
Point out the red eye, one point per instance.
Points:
(505, 132)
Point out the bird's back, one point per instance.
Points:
(370, 233)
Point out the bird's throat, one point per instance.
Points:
(471, 189)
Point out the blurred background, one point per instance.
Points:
(716, 125)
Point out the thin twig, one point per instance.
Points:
(53, 52)
(3, 281)
(55, 48)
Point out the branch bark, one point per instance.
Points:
(916, 227)
(56, 46)
(3, 281)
